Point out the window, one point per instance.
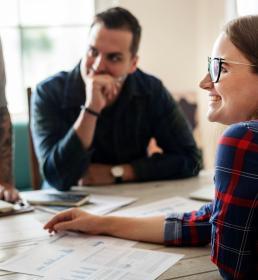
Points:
(40, 38)
(247, 7)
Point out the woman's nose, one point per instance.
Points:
(206, 82)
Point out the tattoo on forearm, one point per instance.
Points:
(5, 146)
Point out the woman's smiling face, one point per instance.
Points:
(234, 98)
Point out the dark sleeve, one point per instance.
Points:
(181, 157)
(60, 152)
(234, 219)
(188, 229)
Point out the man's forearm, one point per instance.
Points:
(166, 166)
(5, 146)
(85, 127)
(65, 161)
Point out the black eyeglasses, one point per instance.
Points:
(215, 65)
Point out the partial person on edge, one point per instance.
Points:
(7, 190)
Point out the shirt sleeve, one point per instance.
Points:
(3, 102)
(59, 150)
(181, 157)
(188, 229)
(234, 219)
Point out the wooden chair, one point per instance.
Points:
(35, 174)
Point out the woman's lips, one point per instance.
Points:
(214, 98)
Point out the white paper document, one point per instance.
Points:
(73, 239)
(113, 263)
(105, 262)
(103, 204)
(20, 229)
(40, 259)
(162, 207)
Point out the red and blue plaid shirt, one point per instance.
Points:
(230, 223)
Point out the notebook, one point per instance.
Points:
(57, 199)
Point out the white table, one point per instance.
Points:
(196, 263)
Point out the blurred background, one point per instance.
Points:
(42, 37)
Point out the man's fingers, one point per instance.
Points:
(13, 196)
(9, 194)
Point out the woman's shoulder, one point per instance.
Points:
(237, 156)
(242, 130)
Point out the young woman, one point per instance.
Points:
(230, 223)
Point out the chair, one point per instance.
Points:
(21, 155)
(35, 174)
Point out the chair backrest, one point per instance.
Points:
(35, 174)
(21, 155)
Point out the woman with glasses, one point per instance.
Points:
(230, 222)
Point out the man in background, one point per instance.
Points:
(7, 190)
(92, 125)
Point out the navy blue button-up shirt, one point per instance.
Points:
(144, 109)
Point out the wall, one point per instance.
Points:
(177, 38)
(211, 16)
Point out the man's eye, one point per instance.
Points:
(115, 58)
(93, 52)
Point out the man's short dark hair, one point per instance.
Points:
(120, 18)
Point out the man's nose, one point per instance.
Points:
(98, 65)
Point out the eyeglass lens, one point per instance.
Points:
(214, 69)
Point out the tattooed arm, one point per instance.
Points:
(7, 190)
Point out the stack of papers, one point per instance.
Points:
(21, 230)
(162, 207)
(74, 258)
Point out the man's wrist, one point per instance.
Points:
(117, 172)
(90, 111)
(125, 171)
